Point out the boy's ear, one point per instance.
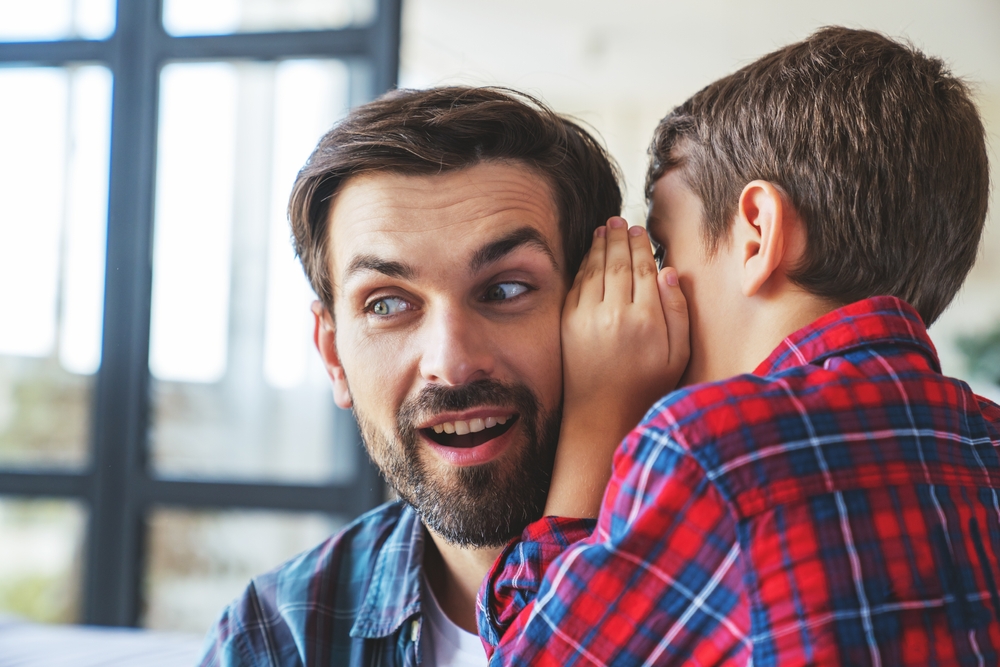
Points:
(325, 337)
(761, 226)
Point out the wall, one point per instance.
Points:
(621, 66)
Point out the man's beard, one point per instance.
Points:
(471, 506)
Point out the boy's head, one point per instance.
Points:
(873, 155)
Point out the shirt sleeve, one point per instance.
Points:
(244, 635)
(658, 582)
(223, 645)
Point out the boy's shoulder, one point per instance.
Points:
(704, 414)
(897, 380)
(849, 419)
(867, 355)
(989, 408)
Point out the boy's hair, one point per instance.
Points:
(878, 147)
(426, 132)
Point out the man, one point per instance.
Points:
(819, 494)
(441, 230)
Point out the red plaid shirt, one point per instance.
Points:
(837, 506)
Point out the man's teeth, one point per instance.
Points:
(471, 426)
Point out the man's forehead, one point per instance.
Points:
(473, 191)
(388, 212)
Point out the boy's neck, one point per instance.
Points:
(752, 335)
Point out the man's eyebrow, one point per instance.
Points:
(362, 263)
(496, 250)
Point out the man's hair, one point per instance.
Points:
(426, 132)
(877, 146)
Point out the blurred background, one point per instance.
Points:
(166, 429)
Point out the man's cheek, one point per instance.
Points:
(542, 364)
(377, 360)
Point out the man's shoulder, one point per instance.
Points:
(347, 557)
(319, 590)
(366, 534)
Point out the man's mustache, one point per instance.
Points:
(434, 399)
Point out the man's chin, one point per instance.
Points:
(479, 506)
(476, 500)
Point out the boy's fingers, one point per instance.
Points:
(618, 264)
(592, 270)
(644, 290)
(573, 295)
(675, 312)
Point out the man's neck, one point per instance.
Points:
(454, 574)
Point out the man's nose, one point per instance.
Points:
(456, 349)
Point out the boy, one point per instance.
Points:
(819, 493)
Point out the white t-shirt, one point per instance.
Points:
(444, 644)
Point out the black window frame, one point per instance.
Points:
(117, 486)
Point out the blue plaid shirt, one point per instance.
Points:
(352, 601)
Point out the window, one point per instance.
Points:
(162, 415)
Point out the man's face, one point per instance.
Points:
(448, 295)
(710, 282)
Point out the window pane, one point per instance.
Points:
(40, 560)
(194, 209)
(53, 220)
(238, 390)
(219, 17)
(200, 561)
(56, 19)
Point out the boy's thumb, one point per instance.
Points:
(675, 312)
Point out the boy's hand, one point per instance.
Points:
(624, 345)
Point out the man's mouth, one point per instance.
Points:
(471, 433)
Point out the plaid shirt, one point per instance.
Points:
(837, 506)
(352, 601)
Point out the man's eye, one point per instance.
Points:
(504, 291)
(390, 305)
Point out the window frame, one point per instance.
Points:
(118, 486)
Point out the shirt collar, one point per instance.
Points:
(393, 593)
(860, 324)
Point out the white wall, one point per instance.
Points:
(620, 66)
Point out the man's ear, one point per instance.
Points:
(325, 337)
(761, 227)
